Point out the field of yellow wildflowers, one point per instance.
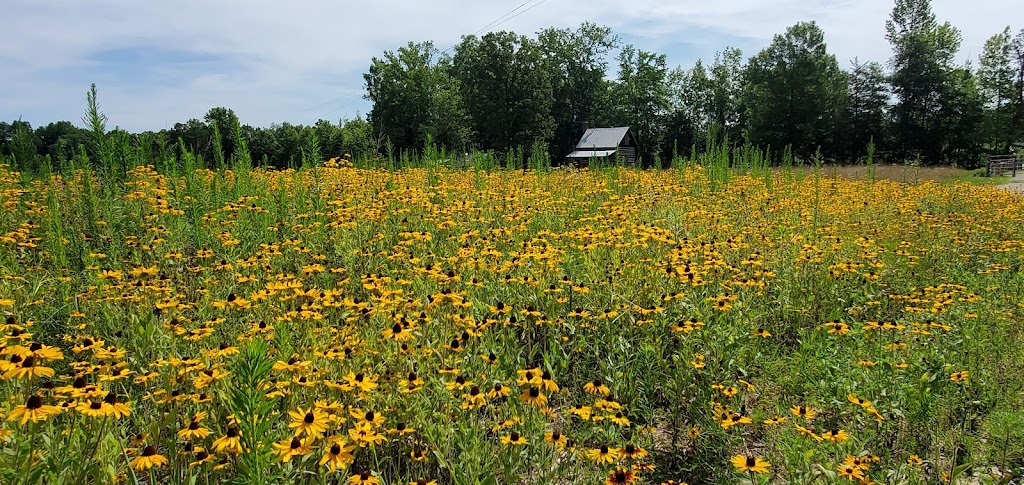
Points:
(431, 326)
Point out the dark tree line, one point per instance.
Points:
(505, 91)
(211, 140)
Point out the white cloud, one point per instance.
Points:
(299, 61)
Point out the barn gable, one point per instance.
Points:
(605, 142)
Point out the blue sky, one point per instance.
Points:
(157, 63)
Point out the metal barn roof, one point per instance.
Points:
(590, 153)
(596, 138)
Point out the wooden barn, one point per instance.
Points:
(604, 143)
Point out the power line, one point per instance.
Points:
(520, 13)
(500, 20)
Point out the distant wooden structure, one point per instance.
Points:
(999, 165)
(605, 143)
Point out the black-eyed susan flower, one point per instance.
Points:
(850, 472)
(364, 478)
(754, 464)
(229, 443)
(26, 368)
(810, 434)
(95, 408)
(364, 435)
(619, 419)
(534, 396)
(498, 390)
(287, 449)
(474, 398)
(418, 455)
(337, 455)
(581, 411)
(602, 454)
(835, 436)
(149, 458)
(620, 476)
(200, 458)
(401, 429)
(837, 328)
(118, 408)
(193, 431)
(802, 411)
(632, 451)
(596, 387)
(34, 410)
(513, 438)
(309, 421)
(556, 438)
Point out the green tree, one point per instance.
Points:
(794, 92)
(23, 145)
(60, 140)
(414, 96)
(726, 78)
(687, 115)
(448, 124)
(640, 97)
(996, 83)
(358, 138)
(330, 138)
(506, 90)
(196, 137)
(922, 68)
(577, 65)
(711, 96)
(1017, 100)
(224, 119)
(959, 131)
(864, 119)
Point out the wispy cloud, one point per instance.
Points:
(160, 62)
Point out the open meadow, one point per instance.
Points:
(433, 326)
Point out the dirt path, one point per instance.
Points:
(1016, 184)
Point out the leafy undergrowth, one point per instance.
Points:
(368, 326)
